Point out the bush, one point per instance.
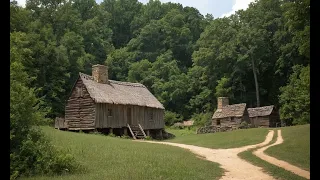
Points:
(148, 138)
(202, 119)
(295, 97)
(30, 152)
(244, 125)
(171, 117)
(112, 135)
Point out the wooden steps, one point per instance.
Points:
(137, 132)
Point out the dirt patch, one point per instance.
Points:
(289, 167)
(235, 167)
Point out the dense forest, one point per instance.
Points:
(259, 56)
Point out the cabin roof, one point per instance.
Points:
(234, 110)
(117, 92)
(260, 111)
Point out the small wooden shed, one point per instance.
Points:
(265, 116)
(96, 102)
(229, 115)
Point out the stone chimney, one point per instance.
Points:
(100, 73)
(222, 101)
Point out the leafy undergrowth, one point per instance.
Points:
(224, 140)
(105, 157)
(295, 148)
(271, 169)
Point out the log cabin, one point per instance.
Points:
(97, 103)
(266, 116)
(229, 115)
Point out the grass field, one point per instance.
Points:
(278, 151)
(231, 139)
(296, 146)
(103, 157)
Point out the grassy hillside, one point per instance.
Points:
(113, 158)
(231, 139)
(296, 146)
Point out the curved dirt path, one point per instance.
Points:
(289, 167)
(235, 167)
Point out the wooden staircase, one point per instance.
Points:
(137, 132)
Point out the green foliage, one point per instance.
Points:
(30, 151)
(148, 138)
(244, 125)
(222, 89)
(295, 97)
(111, 135)
(202, 119)
(171, 117)
(184, 58)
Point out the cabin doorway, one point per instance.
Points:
(129, 117)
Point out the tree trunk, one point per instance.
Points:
(256, 82)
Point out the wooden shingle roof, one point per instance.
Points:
(260, 111)
(117, 92)
(234, 110)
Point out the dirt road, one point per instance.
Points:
(289, 167)
(235, 167)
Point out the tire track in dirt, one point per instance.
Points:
(235, 167)
(283, 164)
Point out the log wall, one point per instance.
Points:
(80, 108)
(128, 114)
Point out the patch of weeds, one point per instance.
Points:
(125, 137)
(148, 138)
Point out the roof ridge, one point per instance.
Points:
(88, 77)
(262, 107)
(127, 83)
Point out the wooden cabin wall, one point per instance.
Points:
(263, 121)
(157, 121)
(120, 117)
(274, 118)
(80, 110)
(255, 121)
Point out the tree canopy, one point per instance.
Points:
(184, 58)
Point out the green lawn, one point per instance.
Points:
(231, 139)
(271, 169)
(296, 146)
(103, 157)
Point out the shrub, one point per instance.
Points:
(148, 138)
(202, 119)
(112, 135)
(171, 117)
(295, 97)
(244, 125)
(30, 151)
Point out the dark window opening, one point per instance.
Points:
(218, 122)
(109, 112)
(150, 116)
(232, 119)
